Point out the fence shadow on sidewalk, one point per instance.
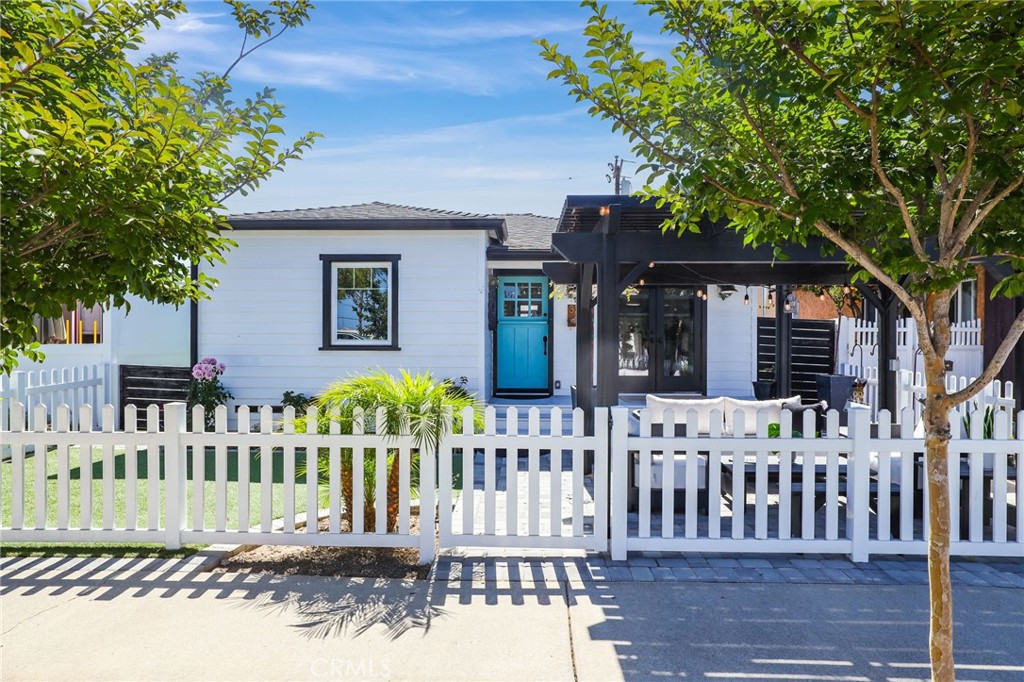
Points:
(322, 607)
(737, 631)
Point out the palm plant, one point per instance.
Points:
(415, 404)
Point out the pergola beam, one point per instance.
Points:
(688, 248)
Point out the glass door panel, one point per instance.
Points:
(635, 333)
(661, 340)
(678, 315)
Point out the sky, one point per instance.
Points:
(436, 104)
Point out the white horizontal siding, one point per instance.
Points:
(732, 344)
(265, 317)
(564, 345)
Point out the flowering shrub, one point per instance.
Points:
(205, 388)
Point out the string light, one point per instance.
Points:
(642, 282)
(771, 298)
(746, 297)
(651, 264)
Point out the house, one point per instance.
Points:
(309, 296)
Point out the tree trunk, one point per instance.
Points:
(937, 435)
(394, 472)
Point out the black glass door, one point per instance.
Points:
(661, 340)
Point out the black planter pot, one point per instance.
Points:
(835, 389)
(764, 390)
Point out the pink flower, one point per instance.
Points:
(208, 369)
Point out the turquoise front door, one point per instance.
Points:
(523, 337)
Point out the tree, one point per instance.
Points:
(891, 129)
(115, 172)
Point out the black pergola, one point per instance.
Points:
(613, 241)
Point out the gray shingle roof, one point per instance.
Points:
(527, 231)
(373, 211)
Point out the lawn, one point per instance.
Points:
(142, 508)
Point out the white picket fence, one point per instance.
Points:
(173, 503)
(854, 491)
(546, 504)
(72, 386)
(858, 493)
(858, 346)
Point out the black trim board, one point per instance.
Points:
(193, 322)
(328, 260)
(499, 254)
(496, 225)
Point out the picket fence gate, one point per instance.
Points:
(763, 490)
(858, 346)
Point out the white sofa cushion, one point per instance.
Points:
(681, 406)
(750, 408)
(678, 471)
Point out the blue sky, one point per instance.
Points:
(437, 104)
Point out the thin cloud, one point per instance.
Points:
(472, 31)
(351, 72)
(530, 127)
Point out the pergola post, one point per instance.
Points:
(608, 310)
(1018, 375)
(887, 354)
(886, 305)
(585, 344)
(783, 343)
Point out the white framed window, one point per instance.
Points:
(964, 306)
(360, 295)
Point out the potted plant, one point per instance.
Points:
(764, 385)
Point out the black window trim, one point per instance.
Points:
(329, 260)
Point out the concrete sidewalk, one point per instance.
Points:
(107, 619)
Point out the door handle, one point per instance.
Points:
(545, 345)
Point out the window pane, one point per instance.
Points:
(363, 308)
(968, 301)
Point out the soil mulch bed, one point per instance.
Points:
(352, 562)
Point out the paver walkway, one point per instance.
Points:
(816, 569)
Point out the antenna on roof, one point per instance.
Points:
(622, 184)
